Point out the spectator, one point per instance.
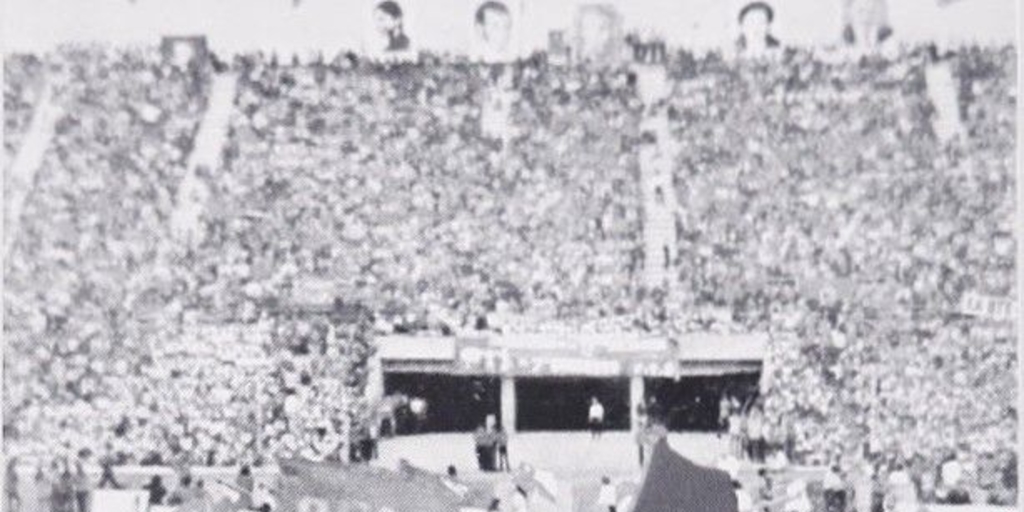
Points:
(901, 494)
(11, 486)
(484, 442)
(43, 488)
(755, 436)
(744, 503)
(835, 490)
(797, 499)
(264, 498)
(63, 497)
(156, 489)
(861, 486)
(418, 408)
(607, 497)
(246, 485)
(184, 493)
(595, 417)
(501, 441)
(107, 477)
(950, 474)
(82, 487)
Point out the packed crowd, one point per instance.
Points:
(392, 166)
(402, 188)
(859, 259)
(81, 280)
(23, 86)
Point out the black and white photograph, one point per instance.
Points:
(511, 256)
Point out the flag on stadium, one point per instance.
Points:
(308, 486)
(671, 483)
(538, 482)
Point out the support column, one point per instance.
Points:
(636, 397)
(508, 404)
(375, 380)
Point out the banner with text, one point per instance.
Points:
(986, 306)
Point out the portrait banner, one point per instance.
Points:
(386, 31)
(598, 36)
(496, 31)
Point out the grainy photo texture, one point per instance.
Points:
(510, 256)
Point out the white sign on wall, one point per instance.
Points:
(993, 308)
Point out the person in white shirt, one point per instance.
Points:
(595, 417)
(755, 436)
(863, 487)
(950, 475)
(744, 503)
(606, 497)
(901, 492)
(263, 498)
(796, 497)
(418, 408)
(736, 433)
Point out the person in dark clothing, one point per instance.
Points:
(501, 440)
(183, 493)
(156, 489)
(63, 497)
(107, 478)
(82, 488)
(245, 484)
(834, 490)
(485, 445)
(11, 486)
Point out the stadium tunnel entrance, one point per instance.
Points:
(562, 403)
(692, 403)
(538, 382)
(455, 403)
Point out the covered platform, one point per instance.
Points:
(545, 382)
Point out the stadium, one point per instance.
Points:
(774, 240)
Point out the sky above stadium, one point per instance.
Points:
(329, 25)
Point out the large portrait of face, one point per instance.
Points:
(599, 36)
(866, 22)
(755, 24)
(387, 31)
(494, 30)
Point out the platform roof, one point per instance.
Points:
(709, 347)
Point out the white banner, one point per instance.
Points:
(120, 501)
(993, 308)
